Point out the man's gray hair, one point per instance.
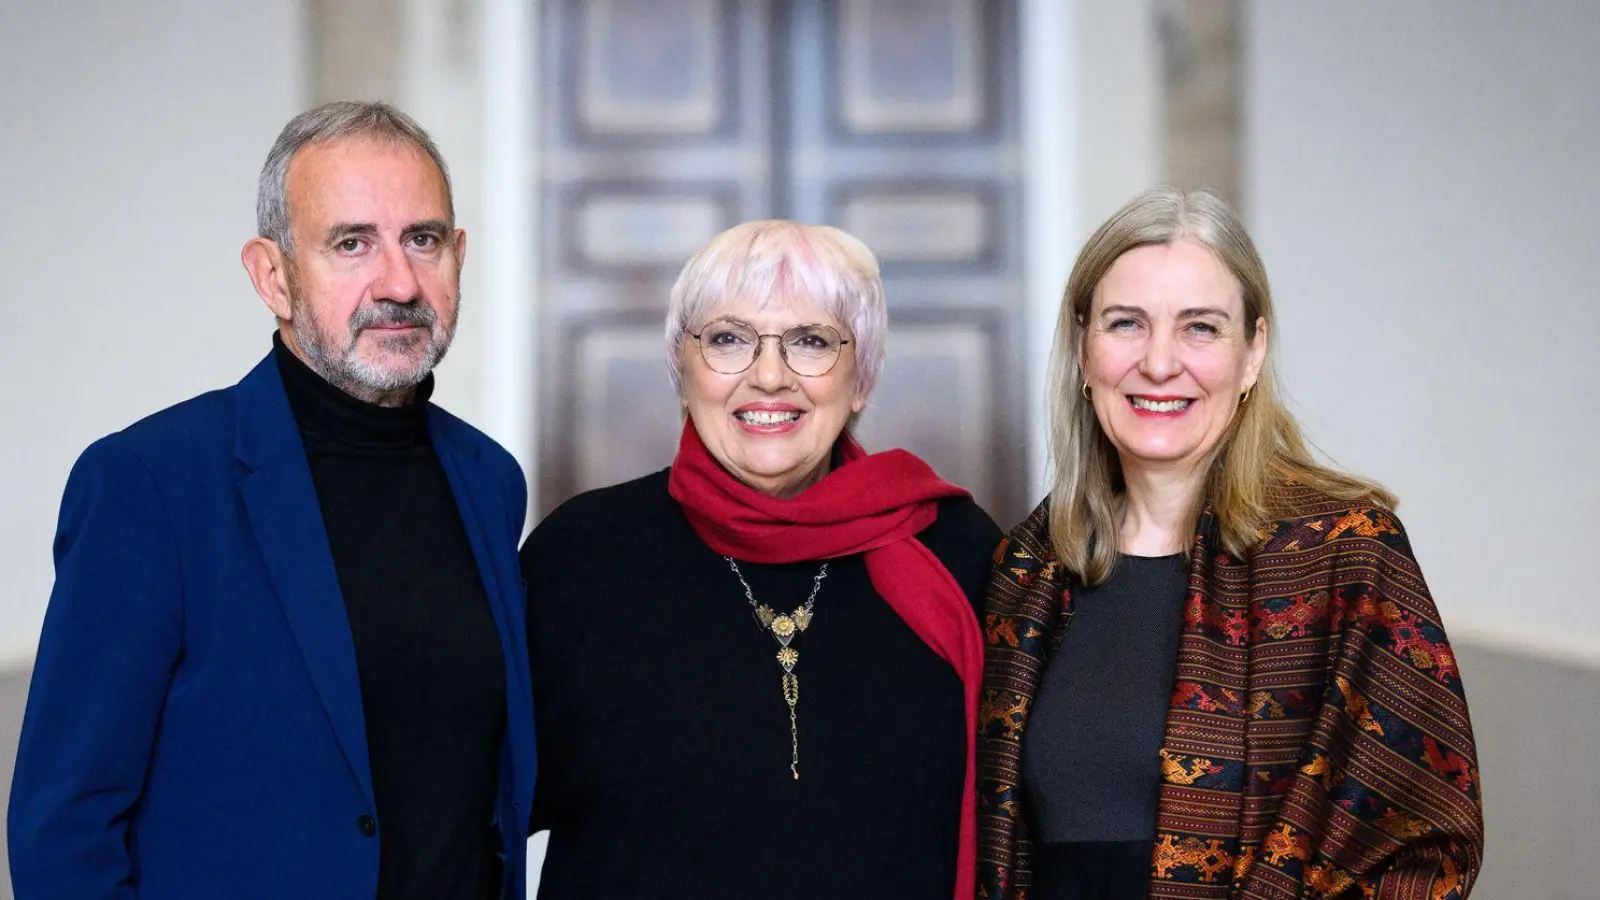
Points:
(330, 122)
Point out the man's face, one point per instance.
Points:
(374, 278)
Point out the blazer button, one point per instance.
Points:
(367, 825)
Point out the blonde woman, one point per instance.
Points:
(1213, 668)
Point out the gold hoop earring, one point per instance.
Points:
(1085, 390)
(1244, 397)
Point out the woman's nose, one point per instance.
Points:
(769, 372)
(1160, 360)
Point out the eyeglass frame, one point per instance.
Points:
(761, 343)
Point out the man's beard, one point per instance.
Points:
(395, 362)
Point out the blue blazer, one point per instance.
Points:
(194, 730)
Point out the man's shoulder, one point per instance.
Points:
(494, 462)
(179, 432)
(458, 430)
(178, 451)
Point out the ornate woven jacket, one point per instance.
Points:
(1317, 740)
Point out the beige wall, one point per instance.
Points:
(132, 134)
(131, 138)
(1421, 182)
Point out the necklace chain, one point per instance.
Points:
(816, 585)
(784, 629)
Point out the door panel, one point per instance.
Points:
(893, 119)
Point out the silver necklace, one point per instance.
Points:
(784, 628)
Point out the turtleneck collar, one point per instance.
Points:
(327, 414)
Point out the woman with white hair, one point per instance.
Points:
(755, 673)
(1214, 669)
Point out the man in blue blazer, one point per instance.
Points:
(285, 654)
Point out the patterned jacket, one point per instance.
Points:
(1317, 740)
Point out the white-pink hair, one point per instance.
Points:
(776, 259)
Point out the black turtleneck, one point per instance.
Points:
(433, 686)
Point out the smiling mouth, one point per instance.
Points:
(1160, 406)
(761, 417)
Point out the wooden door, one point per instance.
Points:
(671, 120)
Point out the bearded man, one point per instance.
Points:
(285, 652)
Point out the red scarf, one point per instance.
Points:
(873, 504)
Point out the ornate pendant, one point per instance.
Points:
(783, 629)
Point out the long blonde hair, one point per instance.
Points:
(1263, 447)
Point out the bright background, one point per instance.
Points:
(1420, 177)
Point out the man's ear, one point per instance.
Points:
(268, 267)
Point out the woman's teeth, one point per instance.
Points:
(1163, 406)
(762, 417)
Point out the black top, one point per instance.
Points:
(1091, 754)
(664, 740)
(433, 686)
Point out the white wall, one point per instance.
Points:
(130, 134)
(1422, 182)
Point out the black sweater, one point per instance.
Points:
(1090, 756)
(664, 740)
(433, 688)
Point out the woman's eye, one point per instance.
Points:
(725, 339)
(1121, 325)
(1204, 329)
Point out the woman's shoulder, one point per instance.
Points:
(617, 497)
(963, 537)
(1026, 556)
(1030, 538)
(963, 515)
(614, 510)
(961, 528)
(1306, 518)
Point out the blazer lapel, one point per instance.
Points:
(281, 500)
(493, 551)
(457, 459)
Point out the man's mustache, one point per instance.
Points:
(384, 313)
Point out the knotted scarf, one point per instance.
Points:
(873, 504)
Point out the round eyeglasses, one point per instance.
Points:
(730, 347)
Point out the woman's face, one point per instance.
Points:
(1166, 353)
(770, 428)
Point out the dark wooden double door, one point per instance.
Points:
(667, 121)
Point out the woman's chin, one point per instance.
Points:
(780, 479)
(1158, 455)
